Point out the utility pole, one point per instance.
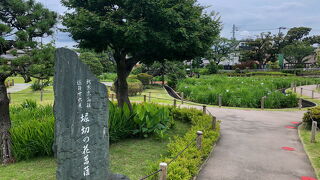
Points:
(234, 29)
(280, 29)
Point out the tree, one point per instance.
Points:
(22, 21)
(221, 49)
(296, 53)
(266, 47)
(103, 61)
(175, 70)
(296, 34)
(258, 49)
(141, 31)
(93, 62)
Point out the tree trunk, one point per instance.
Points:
(124, 67)
(5, 125)
(163, 68)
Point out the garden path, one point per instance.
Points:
(18, 87)
(307, 91)
(108, 84)
(251, 145)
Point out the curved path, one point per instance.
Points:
(18, 87)
(251, 145)
(307, 91)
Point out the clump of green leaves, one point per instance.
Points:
(151, 119)
(313, 114)
(186, 166)
(33, 126)
(243, 91)
(40, 85)
(144, 78)
(134, 86)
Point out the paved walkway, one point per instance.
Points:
(307, 91)
(108, 84)
(251, 145)
(18, 87)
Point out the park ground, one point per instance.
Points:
(251, 145)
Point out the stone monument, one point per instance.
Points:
(81, 121)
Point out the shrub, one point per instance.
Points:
(121, 122)
(249, 64)
(312, 114)
(33, 138)
(186, 166)
(108, 77)
(292, 71)
(204, 71)
(212, 68)
(138, 69)
(144, 78)
(33, 128)
(159, 78)
(268, 74)
(28, 103)
(151, 119)
(37, 85)
(133, 77)
(237, 70)
(32, 131)
(273, 65)
(146, 119)
(134, 87)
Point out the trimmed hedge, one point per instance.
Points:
(134, 87)
(144, 78)
(188, 164)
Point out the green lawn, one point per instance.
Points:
(313, 150)
(19, 80)
(130, 157)
(19, 97)
(158, 95)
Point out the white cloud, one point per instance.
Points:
(249, 15)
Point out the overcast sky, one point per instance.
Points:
(251, 17)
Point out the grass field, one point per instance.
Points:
(19, 97)
(130, 157)
(19, 80)
(313, 150)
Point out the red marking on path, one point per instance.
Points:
(290, 127)
(307, 178)
(288, 148)
(295, 122)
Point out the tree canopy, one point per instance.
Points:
(141, 31)
(22, 21)
(266, 47)
(221, 49)
(295, 53)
